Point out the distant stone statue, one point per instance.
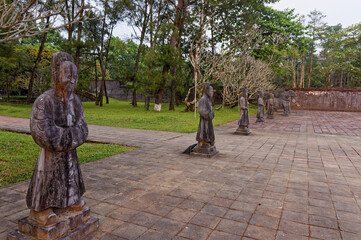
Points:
(283, 100)
(243, 121)
(58, 126)
(260, 109)
(270, 107)
(205, 133)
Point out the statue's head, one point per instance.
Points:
(56, 60)
(68, 77)
(244, 93)
(260, 93)
(207, 90)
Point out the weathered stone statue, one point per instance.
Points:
(283, 100)
(243, 121)
(270, 107)
(58, 126)
(260, 109)
(205, 133)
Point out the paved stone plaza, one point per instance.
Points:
(295, 177)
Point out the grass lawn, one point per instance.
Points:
(19, 153)
(122, 114)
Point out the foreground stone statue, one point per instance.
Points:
(243, 121)
(205, 133)
(58, 126)
(260, 109)
(270, 107)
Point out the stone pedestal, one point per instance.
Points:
(70, 225)
(205, 150)
(242, 131)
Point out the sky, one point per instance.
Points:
(346, 12)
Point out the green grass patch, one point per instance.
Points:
(123, 114)
(19, 153)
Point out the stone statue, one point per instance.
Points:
(283, 100)
(205, 133)
(260, 109)
(270, 107)
(243, 121)
(58, 126)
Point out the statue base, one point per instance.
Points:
(242, 131)
(204, 150)
(71, 225)
(260, 120)
(270, 117)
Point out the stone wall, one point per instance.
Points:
(117, 91)
(340, 99)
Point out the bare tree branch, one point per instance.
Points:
(26, 19)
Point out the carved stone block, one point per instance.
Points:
(71, 225)
(204, 150)
(242, 131)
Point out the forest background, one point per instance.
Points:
(177, 45)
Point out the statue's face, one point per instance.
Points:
(68, 77)
(210, 91)
(245, 95)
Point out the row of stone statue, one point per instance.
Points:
(205, 133)
(282, 100)
(58, 126)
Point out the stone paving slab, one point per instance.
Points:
(334, 123)
(271, 184)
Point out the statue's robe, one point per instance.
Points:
(205, 131)
(243, 116)
(260, 109)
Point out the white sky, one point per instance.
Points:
(346, 12)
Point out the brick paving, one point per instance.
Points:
(335, 123)
(280, 182)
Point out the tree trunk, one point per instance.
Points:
(294, 82)
(179, 24)
(102, 85)
(96, 83)
(309, 77)
(341, 79)
(8, 89)
(77, 53)
(177, 100)
(106, 62)
(37, 61)
(175, 38)
(302, 78)
(160, 92)
(172, 92)
(106, 92)
(147, 101)
(142, 35)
